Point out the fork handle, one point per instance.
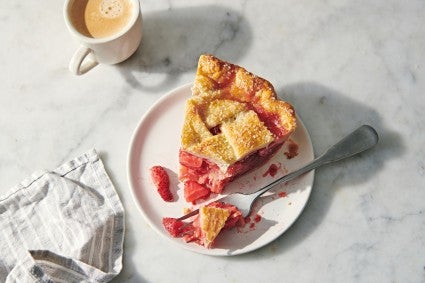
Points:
(358, 141)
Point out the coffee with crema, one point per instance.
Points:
(100, 18)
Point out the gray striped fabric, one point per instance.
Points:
(65, 225)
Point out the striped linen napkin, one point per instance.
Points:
(65, 225)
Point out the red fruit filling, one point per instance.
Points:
(194, 191)
(198, 170)
(173, 226)
(162, 182)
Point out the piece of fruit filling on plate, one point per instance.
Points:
(161, 181)
(234, 122)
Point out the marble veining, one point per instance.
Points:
(340, 63)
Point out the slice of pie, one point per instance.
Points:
(207, 225)
(234, 122)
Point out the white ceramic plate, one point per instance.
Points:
(156, 141)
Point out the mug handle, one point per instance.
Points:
(78, 64)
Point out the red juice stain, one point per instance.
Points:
(292, 150)
(272, 170)
(282, 194)
(257, 218)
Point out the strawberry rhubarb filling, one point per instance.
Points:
(202, 177)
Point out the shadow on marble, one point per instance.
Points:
(329, 115)
(129, 272)
(173, 40)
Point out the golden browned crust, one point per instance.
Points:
(211, 221)
(229, 97)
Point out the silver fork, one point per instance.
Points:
(358, 141)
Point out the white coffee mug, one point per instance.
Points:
(111, 49)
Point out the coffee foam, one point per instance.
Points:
(111, 8)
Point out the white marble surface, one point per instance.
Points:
(341, 63)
